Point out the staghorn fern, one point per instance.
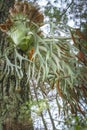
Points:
(53, 59)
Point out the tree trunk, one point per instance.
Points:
(7, 84)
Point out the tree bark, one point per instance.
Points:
(7, 81)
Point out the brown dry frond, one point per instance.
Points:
(23, 8)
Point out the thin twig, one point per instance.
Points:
(66, 9)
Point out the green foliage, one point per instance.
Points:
(32, 107)
(75, 123)
(53, 13)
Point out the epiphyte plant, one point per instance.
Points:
(22, 28)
